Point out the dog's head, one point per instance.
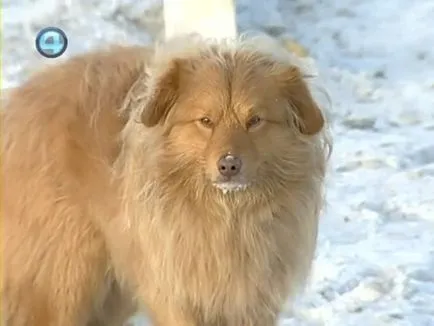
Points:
(234, 117)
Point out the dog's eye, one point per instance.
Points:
(206, 122)
(253, 122)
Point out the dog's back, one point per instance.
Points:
(59, 135)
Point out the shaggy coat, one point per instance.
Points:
(113, 200)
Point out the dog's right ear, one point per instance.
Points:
(162, 95)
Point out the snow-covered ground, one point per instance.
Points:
(375, 261)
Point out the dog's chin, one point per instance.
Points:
(231, 186)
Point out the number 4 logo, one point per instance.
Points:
(51, 42)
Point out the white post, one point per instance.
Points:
(210, 18)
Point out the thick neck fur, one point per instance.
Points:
(235, 239)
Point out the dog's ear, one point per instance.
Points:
(162, 95)
(309, 118)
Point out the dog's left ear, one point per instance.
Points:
(310, 119)
(162, 95)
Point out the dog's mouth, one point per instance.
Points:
(231, 186)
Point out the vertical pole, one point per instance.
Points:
(210, 18)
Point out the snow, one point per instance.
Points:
(375, 258)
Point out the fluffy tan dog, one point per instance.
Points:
(186, 179)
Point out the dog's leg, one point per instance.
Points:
(53, 275)
(166, 315)
(175, 320)
(118, 307)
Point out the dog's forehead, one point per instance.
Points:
(228, 82)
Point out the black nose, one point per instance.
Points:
(229, 165)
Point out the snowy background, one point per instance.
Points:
(375, 261)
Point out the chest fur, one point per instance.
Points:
(220, 260)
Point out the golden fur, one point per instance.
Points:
(112, 196)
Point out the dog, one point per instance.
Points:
(184, 180)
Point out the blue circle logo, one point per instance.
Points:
(51, 42)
